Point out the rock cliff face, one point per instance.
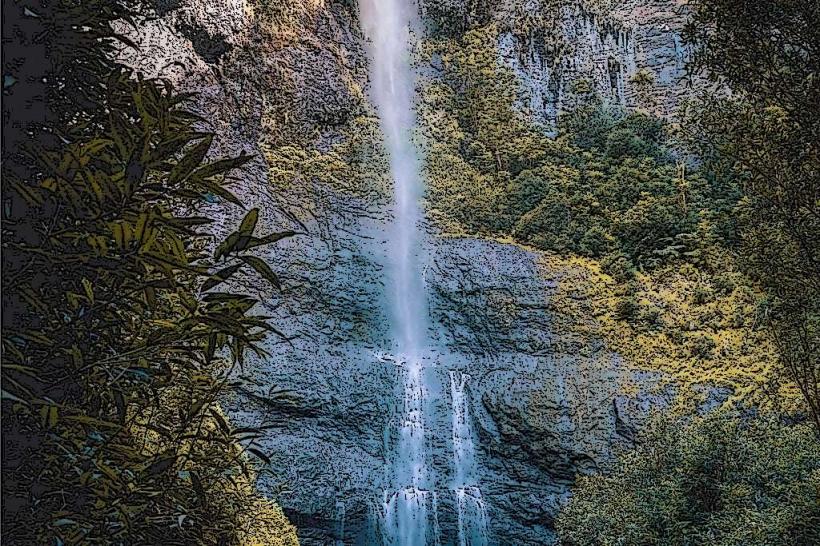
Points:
(545, 405)
(264, 71)
(628, 52)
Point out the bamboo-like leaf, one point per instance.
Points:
(220, 167)
(220, 276)
(263, 269)
(31, 195)
(270, 239)
(119, 401)
(249, 222)
(260, 454)
(224, 297)
(220, 421)
(193, 411)
(219, 191)
(139, 230)
(150, 297)
(196, 482)
(170, 147)
(89, 291)
(190, 161)
(226, 246)
(162, 465)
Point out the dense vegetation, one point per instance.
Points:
(612, 188)
(689, 249)
(715, 480)
(118, 334)
(766, 136)
(608, 187)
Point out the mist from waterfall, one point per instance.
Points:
(387, 24)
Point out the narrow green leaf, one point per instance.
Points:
(259, 454)
(220, 276)
(249, 222)
(89, 292)
(220, 167)
(119, 401)
(162, 465)
(263, 269)
(220, 421)
(226, 246)
(190, 161)
(270, 239)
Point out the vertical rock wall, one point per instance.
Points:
(628, 52)
(583, 55)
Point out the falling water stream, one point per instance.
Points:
(409, 509)
(472, 514)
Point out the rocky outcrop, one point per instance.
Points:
(567, 58)
(660, 49)
(632, 55)
(629, 52)
(264, 72)
(546, 405)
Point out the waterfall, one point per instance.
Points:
(472, 513)
(409, 510)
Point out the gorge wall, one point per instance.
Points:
(286, 82)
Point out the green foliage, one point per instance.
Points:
(715, 480)
(766, 137)
(697, 328)
(357, 166)
(610, 187)
(607, 185)
(119, 333)
(49, 59)
(116, 350)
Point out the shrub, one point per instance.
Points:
(619, 268)
(627, 308)
(118, 335)
(715, 480)
(702, 346)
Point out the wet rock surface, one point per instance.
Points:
(541, 413)
(544, 406)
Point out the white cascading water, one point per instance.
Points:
(410, 509)
(472, 513)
